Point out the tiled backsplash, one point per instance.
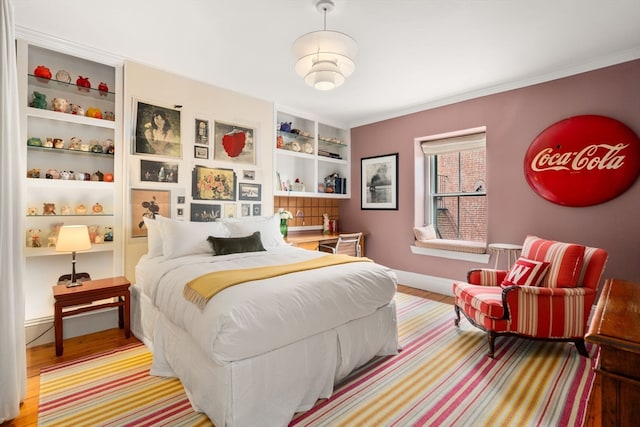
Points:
(307, 211)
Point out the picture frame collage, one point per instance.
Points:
(215, 190)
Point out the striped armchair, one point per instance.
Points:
(547, 294)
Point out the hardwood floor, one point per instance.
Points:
(45, 355)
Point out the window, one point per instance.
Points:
(456, 198)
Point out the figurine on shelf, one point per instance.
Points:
(97, 208)
(285, 126)
(81, 209)
(39, 100)
(34, 142)
(33, 238)
(60, 104)
(63, 76)
(33, 173)
(42, 72)
(109, 115)
(52, 174)
(109, 147)
(48, 143)
(108, 177)
(76, 109)
(108, 234)
(32, 210)
(325, 223)
(66, 210)
(93, 233)
(98, 176)
(83, 84)
(52, 238)
(48, 209)
(58, 143)
(94, 112)
(75, 143)
(103, 89)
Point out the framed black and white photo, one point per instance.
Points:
(200, 152)
(157, 130)
(201, 212)
(249, 175)
(234, 143)
(154, 171)
(249, 191)
(245, 209)
(380, 182)
(202, 132)
(257, 209)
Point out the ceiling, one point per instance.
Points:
(413, 54)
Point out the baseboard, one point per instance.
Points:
(439, 285)
(40, 331)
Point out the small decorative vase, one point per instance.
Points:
(284, 228)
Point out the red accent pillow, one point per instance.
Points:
(526, 272)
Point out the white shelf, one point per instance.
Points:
(70, 118)
(51, 251)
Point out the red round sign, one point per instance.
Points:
(583, 161)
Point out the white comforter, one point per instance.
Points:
(253, 318)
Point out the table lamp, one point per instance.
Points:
(73, 238)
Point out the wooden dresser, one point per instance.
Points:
(615, 327)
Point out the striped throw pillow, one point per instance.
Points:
(565, 260)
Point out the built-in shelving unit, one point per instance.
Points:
(309, 156)
(73, 165)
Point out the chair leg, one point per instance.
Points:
(582, 349)
(491, 337)
(457, 319)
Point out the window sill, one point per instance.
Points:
(464, 256)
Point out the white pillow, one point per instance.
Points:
(154, 235)
(425, 233)
(269, 228)
(180, 238)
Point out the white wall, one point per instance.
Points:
(198, 100)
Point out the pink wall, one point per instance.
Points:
(513, 119)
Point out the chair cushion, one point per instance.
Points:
(486, 299)
(565, 260)
(526, 272)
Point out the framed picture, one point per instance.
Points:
(147, 204)
(153, 171)
(201, 212)
(245, 209)
(380, 182)
(249, 175)
(257, 209)
(157, 130)
(213, 184)
(200, 152)
(230, 210)
(202, 132)
(248, 191)
(234, 143)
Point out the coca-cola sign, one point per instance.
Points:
(583, 161)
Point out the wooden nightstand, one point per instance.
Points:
(85, 295)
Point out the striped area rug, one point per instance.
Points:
(442, 377)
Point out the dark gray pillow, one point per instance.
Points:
(234, 245)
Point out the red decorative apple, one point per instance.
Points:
(83, 83)
(234, 143)
(103, 88)
(42, 72)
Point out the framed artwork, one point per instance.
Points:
(201, 212)
(249, 175)
(180, 211)
(180, 200)
(157, 130)
(257, 209)
(230, 210)
(153, 171)
(379, 182)
(245, 209)
(214, 184)
(248, 191)
(200, 152)
(202, 132)
(147, 204)
(234, 143)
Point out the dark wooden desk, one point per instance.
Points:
(116, 288)
(616, 329)
(312, 239)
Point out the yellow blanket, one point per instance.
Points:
(200, 290)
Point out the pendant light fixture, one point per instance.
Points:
(325, 58)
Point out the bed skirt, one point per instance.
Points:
(270, 388)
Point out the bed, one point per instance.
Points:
(260, 351)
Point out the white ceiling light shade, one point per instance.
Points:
(325, 58)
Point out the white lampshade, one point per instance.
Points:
(325, 58)
(73, 238)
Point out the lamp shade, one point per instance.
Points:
(73, 238)
(324, 58)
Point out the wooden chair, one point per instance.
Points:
(348, 244)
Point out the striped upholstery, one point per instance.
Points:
(566, 260)
(549, 311)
